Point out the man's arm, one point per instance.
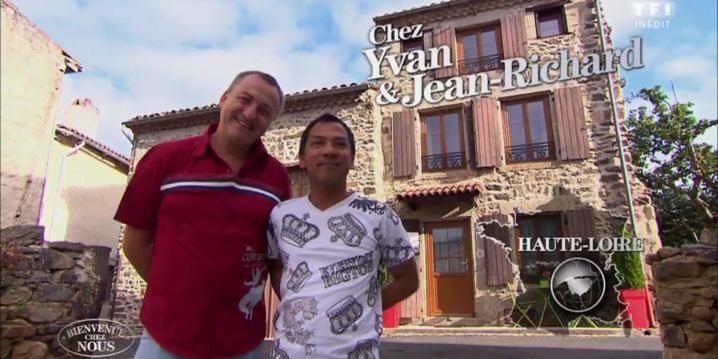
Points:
(275, 275)
(137, 246)
(405, 281)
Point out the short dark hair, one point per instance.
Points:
(266, 77)
(327, 117)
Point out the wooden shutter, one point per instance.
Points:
(581, 223)
(404, 159)
(571, 122)
(468, 118)
(513, 35)
(446, 37)
(486, 132)
(499, 269)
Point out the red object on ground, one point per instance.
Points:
(636, 307)
(392, 316)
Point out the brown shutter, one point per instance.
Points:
(513, 35)
(581, 223)
(486, 132)
(572, 136)
(404, 161)
(499, 270)
(468, 118)
(446, 37)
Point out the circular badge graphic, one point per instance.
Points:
(578, 285)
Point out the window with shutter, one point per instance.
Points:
(443, 141)
(479, 49)
(535, 266)
(528, 136)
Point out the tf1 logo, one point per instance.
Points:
(653, 9)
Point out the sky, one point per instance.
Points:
(144, 57)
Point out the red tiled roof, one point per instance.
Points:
(324, 91)
(449, 190)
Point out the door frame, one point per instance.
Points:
(431, 292)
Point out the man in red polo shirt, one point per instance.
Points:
(196, 212)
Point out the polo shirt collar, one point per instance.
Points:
(204, 146)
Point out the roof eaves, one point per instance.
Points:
(117, 157)
(162, 117)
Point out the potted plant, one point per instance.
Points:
(391, 315)
(632, 288)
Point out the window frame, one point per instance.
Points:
(558, 216)
(442, 131)
(559, 14)
(478, 30)
(419, 40)
(527, 128)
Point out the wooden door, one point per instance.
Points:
(450, 287)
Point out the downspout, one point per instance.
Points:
(619, 135)
(58, 189)
(614, 113)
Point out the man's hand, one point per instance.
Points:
(137, 246)
(405, 281)
(275, 275)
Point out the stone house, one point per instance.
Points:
(467, 177)
(31, 74)
(84, 182)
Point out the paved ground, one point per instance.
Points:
(528, 347)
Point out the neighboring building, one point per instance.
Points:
(84, 184)
(31, 72)
(467, 177)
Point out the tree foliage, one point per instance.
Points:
(681, 174)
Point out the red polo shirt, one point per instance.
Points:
(205, 292)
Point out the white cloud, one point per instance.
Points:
(151, 56)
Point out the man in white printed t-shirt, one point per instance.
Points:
(325, 250)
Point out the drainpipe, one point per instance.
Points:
(614, 112)
(58, 189)
(621, 152)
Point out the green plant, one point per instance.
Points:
(629, 266)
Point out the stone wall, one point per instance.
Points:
(685, 284)
(44, 288)
(554, 186)
(31, 79)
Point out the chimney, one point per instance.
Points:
(83, 116)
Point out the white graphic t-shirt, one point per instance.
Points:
(331, 295)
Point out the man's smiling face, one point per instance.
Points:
(247, 110)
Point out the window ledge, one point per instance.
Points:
(529, 166)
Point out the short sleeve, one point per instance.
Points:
(272, 245)
(141, 201)
(393, 240)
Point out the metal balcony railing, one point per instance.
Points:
(539, 151)
(479, 64)
(444, 161)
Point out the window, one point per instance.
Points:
(480, 49)
(550, 22)
(538, 265)
(448, 249)
(412, 45)
(442, 141)
(527, 131)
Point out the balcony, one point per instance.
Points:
(540, 151)
(479, 64)
(443, 161)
